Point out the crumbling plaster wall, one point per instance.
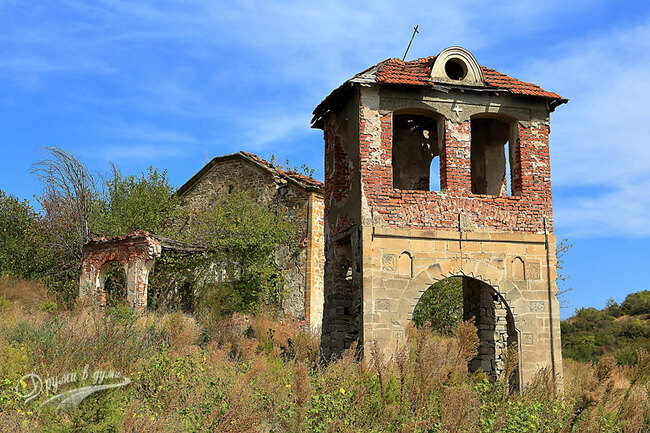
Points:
(137, 253)
(440, 209)
(342, 310)
(300, 271)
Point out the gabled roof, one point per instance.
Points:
(418, 73)
(305, 182)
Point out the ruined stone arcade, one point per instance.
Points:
(136, 253)
(296, 196)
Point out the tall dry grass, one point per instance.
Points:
(265, 374)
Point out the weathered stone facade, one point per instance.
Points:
(388, 238)
(297, 197)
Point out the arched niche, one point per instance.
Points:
(405, 265)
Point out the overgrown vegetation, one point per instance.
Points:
(258, 373)
(616, 330)
(239, 273)
(441, 306)
(221, 370)
(145, 202)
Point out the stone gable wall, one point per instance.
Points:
(301, 272)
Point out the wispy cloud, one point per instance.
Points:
(601, 138)
(174, 77)
(625, 212)
(119, 131)
(146, 152)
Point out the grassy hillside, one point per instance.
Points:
(250, 374)
(616, 330)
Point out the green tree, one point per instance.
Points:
(145, 202)
(244, 236)
(636, 303)
(22, 249)
(441, 305)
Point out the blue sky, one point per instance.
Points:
(166, 83)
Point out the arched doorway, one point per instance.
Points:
(454, 299)
(112, 283)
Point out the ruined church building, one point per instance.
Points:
(434, 168)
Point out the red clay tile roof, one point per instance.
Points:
(417, 73)
(301, 178)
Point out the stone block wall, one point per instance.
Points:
(315, 263)
(301, 259)
(491, 262)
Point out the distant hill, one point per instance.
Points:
(617, 330)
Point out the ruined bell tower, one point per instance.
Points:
(438, 168)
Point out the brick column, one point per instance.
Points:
(455, 158)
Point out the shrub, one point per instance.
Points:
(636, 303)
(241, 273)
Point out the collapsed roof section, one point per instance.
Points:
(281, 176)
(145, 238)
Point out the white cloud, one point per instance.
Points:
(601, 139)
(147, 152)
(118, 130)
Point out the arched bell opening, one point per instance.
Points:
(417, 136)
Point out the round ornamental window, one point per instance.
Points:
(456, 69)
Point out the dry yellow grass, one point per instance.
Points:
(264, 374)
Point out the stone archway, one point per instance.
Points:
(137, 252)
(487, 283)
(465, 298)
(112, 282)
(388, 309)
(494, 277)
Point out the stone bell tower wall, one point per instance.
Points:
(386, 246)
